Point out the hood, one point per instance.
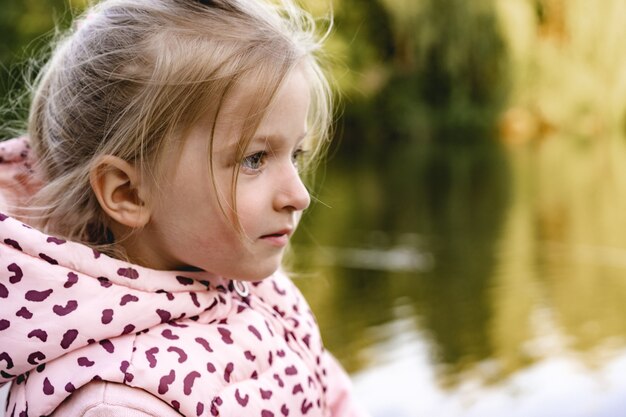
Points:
(59, 296)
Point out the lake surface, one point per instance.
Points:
(476, 283)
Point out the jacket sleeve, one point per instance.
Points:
(339, 395)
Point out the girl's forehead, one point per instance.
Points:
(237, 108)
(249, 102)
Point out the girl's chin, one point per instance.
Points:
(258, 274)
(247, 269)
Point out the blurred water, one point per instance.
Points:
(482, 286)
(558, 386)
(405, 376)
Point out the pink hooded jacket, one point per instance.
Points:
(70, 316)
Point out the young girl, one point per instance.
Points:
(142, 277)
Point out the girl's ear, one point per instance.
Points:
(120, 192)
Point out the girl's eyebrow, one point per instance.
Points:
(233, 147)
(277, 138)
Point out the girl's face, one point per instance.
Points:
(187, 227)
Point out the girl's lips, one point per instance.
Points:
(278, 239)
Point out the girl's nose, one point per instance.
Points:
(292, 193)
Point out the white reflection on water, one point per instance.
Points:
(404, 384)
(395, 259)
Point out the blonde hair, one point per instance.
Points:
(132, 76)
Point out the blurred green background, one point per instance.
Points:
(473, 204)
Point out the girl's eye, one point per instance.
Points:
(254, 162)
(298, 157)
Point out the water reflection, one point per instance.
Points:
(395, 259)
(476, 283)
(406, 384)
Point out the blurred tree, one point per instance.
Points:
(26, 28)
(425, 72)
